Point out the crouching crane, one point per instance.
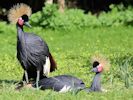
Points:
(64, 83)
(32, 52)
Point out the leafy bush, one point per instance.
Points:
(49, 17)
(45, 18)
(117, 16)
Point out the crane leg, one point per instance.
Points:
(26, 76)
(37, 79)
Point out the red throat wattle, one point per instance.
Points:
(20, 21)
(100, 68)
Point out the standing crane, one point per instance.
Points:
(32, 52)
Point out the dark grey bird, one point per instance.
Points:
(32, 51)
(64, 83)
(96, 83)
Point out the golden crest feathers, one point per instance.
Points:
(102, 60)
(17, 11)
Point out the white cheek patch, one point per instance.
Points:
(46, 67)
(65, 89)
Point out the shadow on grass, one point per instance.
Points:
(18, 84)
(9, 81)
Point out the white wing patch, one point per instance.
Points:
(46, 67)
(65, 89)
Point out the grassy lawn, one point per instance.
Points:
(72, 51)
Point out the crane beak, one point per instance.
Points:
(94, 70)
(27, 24)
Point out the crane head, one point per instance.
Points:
(23, 21)
(97, 67)
(100, 62)
(19, 14)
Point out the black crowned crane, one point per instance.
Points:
(64, 83)
(32, 52)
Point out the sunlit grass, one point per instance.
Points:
(72, 51)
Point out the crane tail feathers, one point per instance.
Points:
(53, 65)
(46, 67)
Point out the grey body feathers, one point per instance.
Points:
(31, 52)
(58, 82)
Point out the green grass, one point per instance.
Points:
(72, 51)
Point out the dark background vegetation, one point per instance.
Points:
(95, 6)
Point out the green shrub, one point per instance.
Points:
(45, 18)
(117, 16)
(49, 17)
